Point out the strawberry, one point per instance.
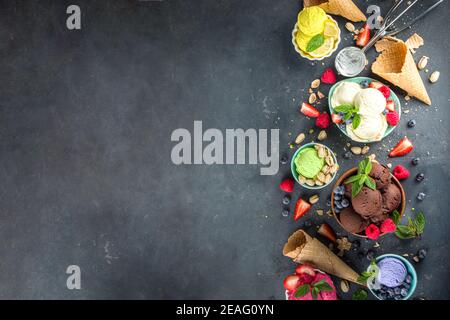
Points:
(375, 85)
(304, 268)
(326, 231)
(392, 118)
(305, 278)
(381, 87)
(301, 208)
(309, 111)
(336, 118)
(363, 36)
(403, 147)
(400, 172)
(323, 121)
(390, 105)
(287, 185)
(329, 76)
(290, 282)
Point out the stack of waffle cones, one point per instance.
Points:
(396, 65)
(344, 8)
(302, 248)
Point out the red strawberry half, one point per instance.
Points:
(403, 147)
(309, 111)
(303, 268)
(336, 118)
(363, 36)
(329, 76)
(301, 208)
(291, 281)
(326, 231)
(381, 87)
(390, 105)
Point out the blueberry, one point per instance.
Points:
(345, 203)
(338, 205)
(337, 197)
(385, 111)
(411, 123)
(328, 203)
(422, 254)
(347, 155)
(284, 159)
(364, 84)
(341, 190)
(336, 190)
(356, 244)
(360, 255)
(421, 196)
(336, 210)
(408, 279)
(285, 213)
(349, 121)
(383, 296)
(397, 290)
(390, 293)
(398, 297)
(383, 287)
(341, 114)
(308, 223)
(286, 199)
(404, 292)
(370, 255)
(415, 161)
(420, 177)
(406, 286)
(342, 126)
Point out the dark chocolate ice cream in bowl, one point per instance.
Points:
(366, 200)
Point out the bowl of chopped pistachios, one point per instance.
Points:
(314, 166)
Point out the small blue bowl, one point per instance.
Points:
(393, 97)
(410, 269)
(294, 171)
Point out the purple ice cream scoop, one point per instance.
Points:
(392, 272)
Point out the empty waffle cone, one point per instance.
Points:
(302, 248)
(344, 8)
(396, 65)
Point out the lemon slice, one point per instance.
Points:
(331, 30)
(324, 49)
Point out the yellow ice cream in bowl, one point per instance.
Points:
(316, 35)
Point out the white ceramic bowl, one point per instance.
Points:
(304, 54)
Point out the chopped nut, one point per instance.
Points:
(365, 149)
(356, 150)
(321, 177)
(318, 182)
(300, 138)
(310, 90)
(329, 160)
(311, 131)
(312, 98)
(434, 77)
(416, 259)
(328, 178)
(310, 182)
(389, 165)
(315, 84)
(321, 152)
(376, 245)
(325, 169)
(407, 98)
(334, 168)
(356, 31)
(322, 135)
(343, 245)
(329, 212)
(350, 27)
(320, 95)
(313, 199)
(319, 212)
(372, 157)
(301, 179)
(422, 63)
(345, 287)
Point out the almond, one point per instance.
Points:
(434, 77)
(322, 135)
(422, 63)
(356, 150)
(350, 27)
(312, 98)
(313, 199)
(320, 95)
(315, 84)
(345, 287)
(300, 138)
(365, 149)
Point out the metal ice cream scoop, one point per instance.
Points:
(350, 61)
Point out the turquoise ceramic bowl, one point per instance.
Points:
(393, 97)
(410, 269)
(294, 171)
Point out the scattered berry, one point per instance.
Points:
(305, 278)
(415, 161)
(372, 232)
(388, 226)
(326, 231)
(401, 173)
(392, 118)
(336, 118)
(363, 37)
(309, 111)
(422, 254)
(411, 123)
(329, 76)
(345, 203)
(421, 196)
(286, 199)
(390, 105)
(397, 290)
(284, 159)
(285, 213)
(287, 185)
(323, 120)
(408, 279)
(420, 177)
(347, 155)
(403, 147)
(340, 190)
(337, 197)
(301, 208)
(364, 84)
(370, 255)
(404, 292)
(385, 91)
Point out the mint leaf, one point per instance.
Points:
(396, 217)
(420, 223)
(368, 166)
(347, 116)
(362, 167)
(370, 183)
(362, 179)
(356, 188)
(352, 179)
(344, 108)
(356, 121)
(360, 294)
(405, 232)
(315, 42)
(323, 286)
(315, 293)
(302, 290)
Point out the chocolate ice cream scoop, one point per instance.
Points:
(367, 203)
(351, 221)
(392, 197)
(380, 174)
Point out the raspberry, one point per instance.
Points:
(328, 76)
(372, 232)
(392, 118)
(385, 91)
(287, 185)
(388, 226)
(323, 120)
(305, 278)
(401, 173)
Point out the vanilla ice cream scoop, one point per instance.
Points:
(370, 102)
(371, 128)
(345, 93)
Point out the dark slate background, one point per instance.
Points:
(85, 170)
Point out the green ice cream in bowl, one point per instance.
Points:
(314, 166)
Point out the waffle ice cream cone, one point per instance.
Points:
(396, 65)
(344, 8)
(302, 248)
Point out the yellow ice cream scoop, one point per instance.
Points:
(311, 20)
(302, 40)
